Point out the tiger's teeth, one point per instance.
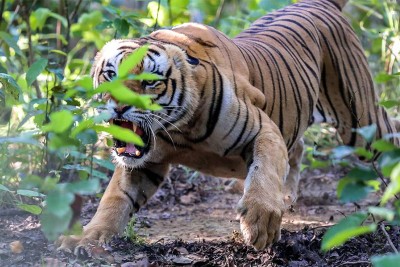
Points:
(134, 127)
(137, 153)
(121, 150)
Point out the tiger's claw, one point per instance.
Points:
(89, 245)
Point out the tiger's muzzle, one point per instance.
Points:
(130, 149)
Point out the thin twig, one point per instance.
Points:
(170, 12)
(26, 15)
(158, 11)
(68, 34)
(389, 239)
(15, 13)
(3, 4)
(219, 12)
(75, 11)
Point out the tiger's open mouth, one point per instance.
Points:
(129, 149)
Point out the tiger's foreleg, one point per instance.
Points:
(261, 206)
(293, 177)
(127, 191)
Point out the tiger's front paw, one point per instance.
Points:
(260, 223)
(88, 244)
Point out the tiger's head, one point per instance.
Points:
(174, 92)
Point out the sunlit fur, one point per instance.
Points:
(238, 108)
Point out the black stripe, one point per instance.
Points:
(239, 137)
(215, 105)
(133, 202)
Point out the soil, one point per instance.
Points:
(191, 221)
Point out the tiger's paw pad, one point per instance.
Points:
(260, 224)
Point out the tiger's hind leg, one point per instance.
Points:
(347, 97)
(293, 177)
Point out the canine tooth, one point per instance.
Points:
(121, 150)
(134, 127)
(137, 153)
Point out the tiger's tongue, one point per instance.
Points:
(130, 148)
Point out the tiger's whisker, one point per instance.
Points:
(165, 130)
(157, 116)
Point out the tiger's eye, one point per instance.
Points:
(111, 73)
(148, 83)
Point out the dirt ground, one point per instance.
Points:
(191, 221)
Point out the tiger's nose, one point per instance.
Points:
(121, 109)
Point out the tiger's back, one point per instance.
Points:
(307, 62)
(312, 68)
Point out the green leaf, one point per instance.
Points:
(342, 151)
(383, 213)
(122, 26)
(85, 82)
(382, 145)
(364, 153)
(59, 74)
(394, 186)
(388, 260)
(22, 139)
(128, 64)
(383, 77)
(87, 170)
(350, 190)
(34, 209)
(344, 230)
(367, 132)
(357, 184)
(38, 18)
(4, 188)
(84, 187)
(58, 202)
(87, 137)
(53, 225)
(29, 193)
(362, 173)
(388, 160)
(28, 116)
(104, 25)
(60, 121)
(124, 95)
(144, 76)
(11, 42)
(389, 103)
(120, 133)
(60, 52)
(102, 162)
(35, 70)
(11, 88)
(82, 126)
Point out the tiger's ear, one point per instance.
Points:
(179, 56)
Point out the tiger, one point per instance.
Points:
(234, 108)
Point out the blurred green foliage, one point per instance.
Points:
(360, 181)
(50, 150)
